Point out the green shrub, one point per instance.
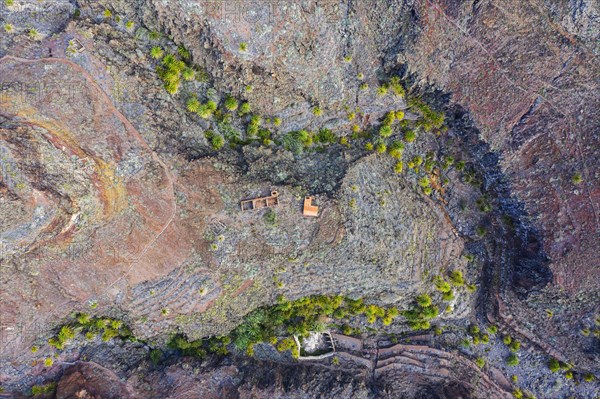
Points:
(514, 346)
(492, 329)
(512, 360)
(243, 46)
(588, 377)
(397, 87)
(245, 108)
(399, 167)
(569, 375)
(381, 148)
(155, 356)
(216, 140)
(577, 178)
(480, 362)
(107, 13)
(446, 296)
(507, 340)
(9, 28)
(553, 365)
(364, 86)
(424, 300)
(270, 217)
(424, 182)
(326, 136)
(33, 34)
(456, 278)
(231, 103)
(45, 389)
(518, 394)
(441, 285)
(410, 136)
(317, 111)
(385, 131)
(586, 332)
(382, 90)
(396, 149)
(193, 105)
(188, 74)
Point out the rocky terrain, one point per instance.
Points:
(119, 205)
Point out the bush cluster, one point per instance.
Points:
(421, 313)
(91, 327)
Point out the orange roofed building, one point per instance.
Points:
(309, 209)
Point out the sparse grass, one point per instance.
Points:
(129, 25)
(577, 178)
(553, 365)
(243, 47)
(347, 59)
(480, 362)
(317, 111)
(364, 86)
(9, 28)
(107, 13)
(9, 3)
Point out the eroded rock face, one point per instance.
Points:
(419, 372)
(91, 381)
